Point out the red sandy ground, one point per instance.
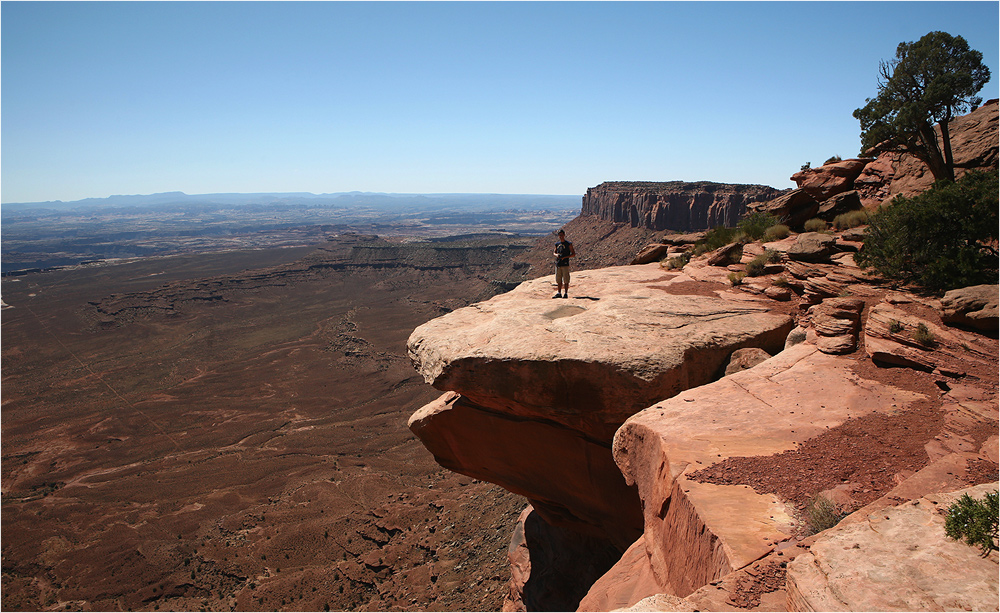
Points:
(240, 444)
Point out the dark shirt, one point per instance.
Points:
(563, 248)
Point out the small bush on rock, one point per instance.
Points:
(780, 282)
(736, 278)
(679, 261)
(851, 219)
(942, 239)
(756, 267)
(895, 327)
(814, 225)
(756, 224)
(832, 160)
(776, 233)
(772, 256)
(716, 237)
(975, 521)
(924, 336)
(821, 515)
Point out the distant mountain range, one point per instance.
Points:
(371, 200)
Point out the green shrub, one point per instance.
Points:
(821, 515)
(851, 219)
(756, 267)
(805, 166)
(924, 336)
(776, 233)
(814, 225)
(716, 237)
(780, 282)
(736, 278)
(895, 327)
(679, 261)
(940, 239)
(832, 159)
(975, 521)
(756, 224)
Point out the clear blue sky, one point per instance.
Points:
(548, 98)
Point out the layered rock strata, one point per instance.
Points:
(536, 387)
(698, 532)
(974, 145)
(673, 205)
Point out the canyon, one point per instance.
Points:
(354, 422)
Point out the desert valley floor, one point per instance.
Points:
(181, 434)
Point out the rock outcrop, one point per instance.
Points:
(845, 570)
(553, 380)
(615, 414)
(696, 531)
(830, 179)
(673, 205)
(974, 145)
(537, 387)
(793, 208)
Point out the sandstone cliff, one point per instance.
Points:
(612, 413)
(673, 205)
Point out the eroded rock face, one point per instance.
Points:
(830, 179)
(793, 208)
(698, 532)
(897, 559)
(537, 387)
(974, 146)
(673, 205)
(619, 344)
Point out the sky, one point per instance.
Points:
(98, 99)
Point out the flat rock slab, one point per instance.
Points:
(898, 559)
(622, 342)
(698, 532)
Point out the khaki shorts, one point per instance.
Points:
(562, 276)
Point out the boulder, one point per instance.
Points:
(698, 532)
(974, 307)
(653, 252)
(792, 208)
(726, 255)
(742, 359)
(781, 294)
(835, 324)
(897, 559)
(838, 205)
(813, 247)
(830, 179)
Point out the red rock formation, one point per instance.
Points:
(673, 205)
(830, 179)
(974, 145)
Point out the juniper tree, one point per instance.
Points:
(928, 82)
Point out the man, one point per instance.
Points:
(564, 251)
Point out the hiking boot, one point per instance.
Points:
(558, 295)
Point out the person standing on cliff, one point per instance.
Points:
(563, 252)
